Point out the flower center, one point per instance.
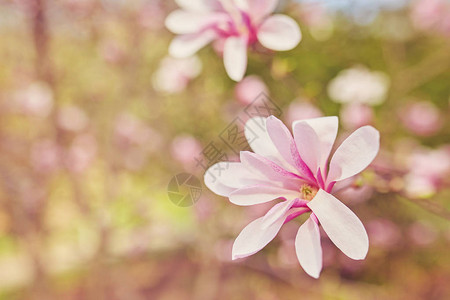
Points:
(308, 192)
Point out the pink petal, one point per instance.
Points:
(276, 212)
(280, 33)
(235, 57)
(258, 194)
(308, 248)
(187, 45)
(284, 142)
(314, 139)
(225, 177)
(258, 9)
(260, 141)
(341, 225)
(185, 22)
(254, 237)
(354, 154)
(269, 170)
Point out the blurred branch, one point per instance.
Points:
(428, 205)
(413, 77)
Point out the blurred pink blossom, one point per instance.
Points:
(81, 153)
(384, 233)
(427, 171)
(72, 118)
(45, 156)
(185, 149)
(136, 139)
(315, 16)
(174, 74)
(249, 88)
(422, 233)
(431, 15)
(359, 85)
(295, 169)
(35, 100)
(422, 118)
(152, 15)
(354, 115)
(355, 194)
(111, 51)
(239, 23)
(301, 110)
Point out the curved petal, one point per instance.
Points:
(277, 211)
(225, 177)
(258, 194)
(284, 142)
(235, 57)
(314, 139)
(254, 237)
(280, 33)
(186, 22)
(188, 44)
(308, 248)
(269, 170)
(257, 9)
(259, 140)
(341, 225)
(354, 154)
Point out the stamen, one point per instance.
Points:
(308, 192)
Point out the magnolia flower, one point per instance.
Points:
(355, 115)
(422, 118)
(295, 170)
(174, 74)
(237, 24)
(428, 170)
(300, 109)
(249, 89)
(359, 85)
(432, 15)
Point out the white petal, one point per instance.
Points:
(276, 212)
(187, 45)
(261, 143)
(280, 33)
(258, 9)
(185, 22)
(282, 139)
(254, 237)
(314, 139)
(258, 194)
(341, 225)
(354, 154)
(225, 177)
(235, 57)
(272, 173)
(308, 248)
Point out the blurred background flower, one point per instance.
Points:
(96, 118)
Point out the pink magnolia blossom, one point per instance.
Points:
(174, 74)
(422, 118)
(355, 115)
(300, 110)
(432, 15)
(239, 24)
(428, 171)
(249, 88)
(295, 170)
(184, 148)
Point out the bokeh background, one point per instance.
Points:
(95, 120)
